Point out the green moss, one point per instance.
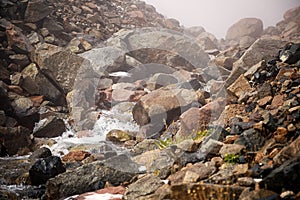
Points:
(231, 158)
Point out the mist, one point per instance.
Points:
(216, 16)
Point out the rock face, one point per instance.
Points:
(251, 27)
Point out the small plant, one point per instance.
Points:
(164, 143)
(200, 134)
(231, 158)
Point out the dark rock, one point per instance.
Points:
(290, 54)
(251, 139)
(91, 177)
(143, 187)
(284, 177)
(4, 100)
(17, 40)
(42, 152)
(37, 10)
(51, 127)
(15, 138)
(44, 169)
(265, 90)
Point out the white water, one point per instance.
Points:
(119, 117)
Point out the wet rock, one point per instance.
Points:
(286, 176)
(259, 194)
(240, 86)
(204, 191)
(44, 169)
(252, 27)
(92, 176)
(42, 152)
(50, 127)
(143, 187)
(118, 136)
(74, 156)
(15, 138)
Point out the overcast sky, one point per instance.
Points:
(216, 16)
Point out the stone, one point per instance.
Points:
(162, 105)
(264, 101)
(20, 59)
(211, 148)
(265, 90)
(203, 191)
(118, 136)
(91, 176)
(144, 186)
(42, 152)
(196, 119)
(37, 10)
(188, 145)
(2, 118)
(259, 194)
(246, 181)
(143, 146)
(194, 30)
(252, 27)
(50, 127)
(226, 62)
(17, 40)
(15, 138)
(62, 66)
(234, 149)
(157, 161)
(277, 101)
(44, 169)
(35, 82)
(288, 152)
(285, 176)
(74, 156)
(192, 174)
(160, 80)
(251, 139)
(240, 86)
(280, 135)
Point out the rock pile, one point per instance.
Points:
(218, 119)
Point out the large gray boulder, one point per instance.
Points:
(251, 27)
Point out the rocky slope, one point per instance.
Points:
(218, 119)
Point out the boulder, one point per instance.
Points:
(37, 10)
(163, 105)
(194, 30)
(146, 185)
(42, 152)
(92, 176)
(252, 27)
(35, 82)
(50, 127)
(160, 80)
(286, 176)
(17, 40)
(240, 86)
(118, 136)
(44, 169)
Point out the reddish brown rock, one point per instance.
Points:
(73, 156)
(240, 86)
(277, 101)
(264, 101)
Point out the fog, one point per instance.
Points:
(216, 16)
